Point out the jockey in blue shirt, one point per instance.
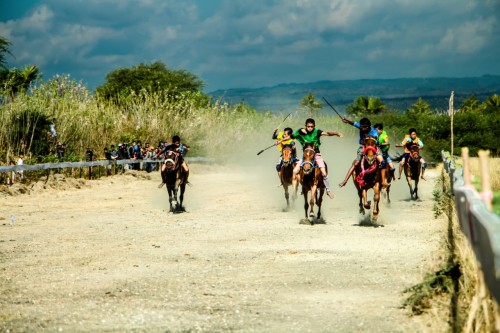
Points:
(365, 130)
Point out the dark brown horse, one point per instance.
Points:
(175, 178)
(412, 169)
(311, 180)
(367, 175)
(286, 174)
(389, 176)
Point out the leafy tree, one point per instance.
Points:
(366, 106)
(309, 102)
(153, 78)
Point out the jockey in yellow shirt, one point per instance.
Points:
(284, 139)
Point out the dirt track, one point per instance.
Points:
(108, 257)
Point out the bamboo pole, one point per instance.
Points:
(486, 192)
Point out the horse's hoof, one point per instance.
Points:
(305, 221)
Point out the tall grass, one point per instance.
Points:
(84, 120)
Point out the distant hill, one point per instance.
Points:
(397, 94)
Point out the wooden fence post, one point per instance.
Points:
(486, 192)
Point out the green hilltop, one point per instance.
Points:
(398, 94)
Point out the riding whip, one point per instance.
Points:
(260, 152)
(283, 120)
(333, 108)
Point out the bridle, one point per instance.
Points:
(311, 163)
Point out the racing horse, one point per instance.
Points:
(175, 178)
(412, 168)
(286, 174)
(311, 180)
(367, 175)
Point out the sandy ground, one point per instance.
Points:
(106, 256)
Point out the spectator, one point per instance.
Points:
(107, 155)
(20, 161)
(89, 155)
(12, 179)
(60, 149)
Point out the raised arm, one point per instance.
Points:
(331, 133)
(275, 134)
(347, 121)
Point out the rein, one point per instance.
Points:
(360, 179)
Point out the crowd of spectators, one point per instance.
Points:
(122, 151)
(136, 151)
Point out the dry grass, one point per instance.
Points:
(474, 309)
(494, 167)
(83, 120)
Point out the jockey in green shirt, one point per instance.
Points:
(310, 134)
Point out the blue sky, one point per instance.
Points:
(236, 44)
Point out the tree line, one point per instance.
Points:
(150, 92)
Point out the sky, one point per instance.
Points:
(251, 44)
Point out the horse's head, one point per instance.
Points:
(414, 152)
(308, 158)
(286, 155)
(370, 149)
(171, 161)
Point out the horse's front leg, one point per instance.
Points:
(319, 201)
(409, 180)
(366, 202)
(311, 202)
(376, 200)
(360, 195)
(170, 198)
(287, 196)
(415, 191)
(306, 204)
(182, 189)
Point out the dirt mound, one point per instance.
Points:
(61, 182)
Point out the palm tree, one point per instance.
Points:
(469, 104)
(365, 106)
(493, 104)
(17, 81)
(4, 48)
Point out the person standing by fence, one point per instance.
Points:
(20, 161)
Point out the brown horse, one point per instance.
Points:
(367, 175)
(311, 180)
(175, 178)
(412, 169)
(286, 174)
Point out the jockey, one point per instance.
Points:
(310, 134)
(284, 139)
(384, 144)
(407, 142)
(177, 147)
(365, 130)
